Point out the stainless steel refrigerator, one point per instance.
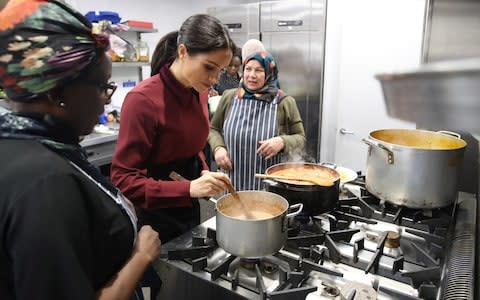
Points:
(294, 32)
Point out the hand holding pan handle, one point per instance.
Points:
(175, 176)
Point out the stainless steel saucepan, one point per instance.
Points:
(261, 232)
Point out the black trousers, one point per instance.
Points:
(169, 223)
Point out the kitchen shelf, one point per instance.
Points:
(142, 30)
(131, 64)
(134, 35)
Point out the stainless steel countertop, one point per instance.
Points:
(96, 138)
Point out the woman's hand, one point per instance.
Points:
(147, 243)
(269, 148)
(222, 159)
(209, 184)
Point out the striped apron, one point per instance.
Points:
(249, 122)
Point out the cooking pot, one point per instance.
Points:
(414, 168)
(261, 232)
(316, 199)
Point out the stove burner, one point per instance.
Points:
(263, 264)
(269, 268)
(393, 240)
(249, 263)
(358, 291)
(331, 291)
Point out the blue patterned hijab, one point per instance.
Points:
(270, 89)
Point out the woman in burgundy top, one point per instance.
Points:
(164, 127)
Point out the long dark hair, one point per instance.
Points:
(199, 33)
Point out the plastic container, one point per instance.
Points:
(111, 16)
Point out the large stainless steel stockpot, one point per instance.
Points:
(414, 168)
(262, 232)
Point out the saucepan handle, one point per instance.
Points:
(371, 143)
(293, 214)
(457, 135)
(213, 200)
(329, 164)
(270, 182)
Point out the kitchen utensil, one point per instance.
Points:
(321, 181)
(315, 199)
(346, 174)
(245, 213)
(264, 235)
(414, 168)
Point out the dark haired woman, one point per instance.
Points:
(165, 125)
(229, 78)
(65, 231)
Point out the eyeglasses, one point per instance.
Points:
(107, 88)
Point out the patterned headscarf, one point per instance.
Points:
(43, 44)
(270, 89)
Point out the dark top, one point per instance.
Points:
(163, 127)
(61, 237)
(226, 82)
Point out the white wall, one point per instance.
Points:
(364, 38)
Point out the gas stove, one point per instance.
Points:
(363, 249)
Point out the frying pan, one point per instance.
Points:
(346, 174)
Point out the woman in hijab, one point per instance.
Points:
(256, 125)
(65, 231)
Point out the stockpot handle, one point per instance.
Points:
(293, 214)
(213, 200)
(371, 143)
(457, 135)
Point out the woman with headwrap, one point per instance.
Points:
(65, 231)
(255, 125)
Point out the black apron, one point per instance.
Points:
(172, 222)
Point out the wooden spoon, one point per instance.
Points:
(248, 215)
(321, 181)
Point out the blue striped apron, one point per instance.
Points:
(249, 122)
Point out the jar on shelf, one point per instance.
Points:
(142, 51)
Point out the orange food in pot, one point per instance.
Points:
(306, 171)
